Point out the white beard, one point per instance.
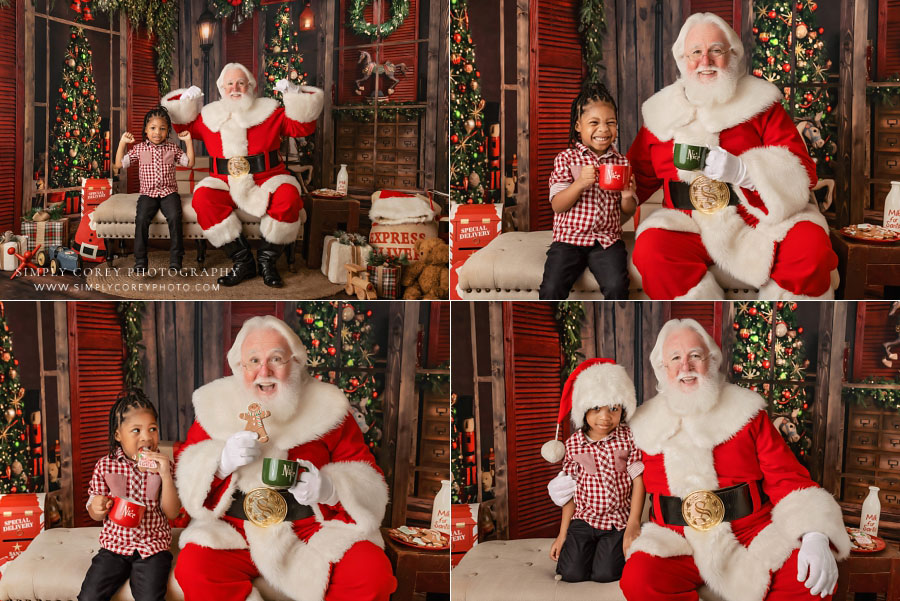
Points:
(239, 105)
(286, 400)
(718, 91)
(696, 402)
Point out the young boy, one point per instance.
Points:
(587, 221)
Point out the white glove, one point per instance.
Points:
(284, 86)
(561, 489)
(313, 487)
(191, 93)
(723, 166)
(815, 557)
(240, 449)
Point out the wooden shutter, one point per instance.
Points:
(96, 353)
(730, 10)
(873, 327)
(11, 115)
(236, 313)
(888, 38)
(143, 89)
(556, 74)
(533, 385)
(438, 334)
(708, 314)
(242, 46)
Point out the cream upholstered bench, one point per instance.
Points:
(114, 218)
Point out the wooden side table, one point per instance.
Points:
(325, 216)
(862, 265)
(870, 573)
(417, 571)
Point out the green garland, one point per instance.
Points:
(569, 317)
(379, 259)
(155, 16)
(385, 113)
(132, 314)
(436, 382)
(886, 398)
(592, 26)
(223, 9)
(885, 96)
(359, 25)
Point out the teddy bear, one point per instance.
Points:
(429, 276)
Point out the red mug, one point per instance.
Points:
(126, 512)
(613, 177)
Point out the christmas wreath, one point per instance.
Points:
(359, 25)
(224, 8)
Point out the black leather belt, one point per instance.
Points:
(738, 502)
(258, 163)
(680, 195)
(295, 511)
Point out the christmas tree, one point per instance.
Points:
(283, 58)
(467, 143)
(790, 53)
(341, 351)
(75, 149)
(458, 489)
(14, 453)
(778, 372)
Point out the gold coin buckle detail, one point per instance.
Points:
(708, 195)
(238, 166)
(265, 507)
(702, 510)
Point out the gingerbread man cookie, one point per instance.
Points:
(254, 416)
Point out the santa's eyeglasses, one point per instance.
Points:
(693, 359)
(712, 53)
(274, 362)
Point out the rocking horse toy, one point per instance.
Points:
(890, 357)
(371, 67)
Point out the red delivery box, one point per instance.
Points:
(21, 515)
(464, 533)
(472, 227)
(10, 549)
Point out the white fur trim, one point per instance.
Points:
(602, 385)
(394, 210)
(278, 232)
(254, 199)
(553, 451)
(182, 111)
(305, 106)
(225, 231)
(216, 114)
(659, 541)
(669, 110)
(706, 289)
(322, 408)
(772, 291)
(361, 490)
(780, 179)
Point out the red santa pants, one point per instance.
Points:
(671, 263)
(650, 578)
(214, 206)
(363, 574)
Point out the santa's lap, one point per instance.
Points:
(650, 578)
(213, 206)
(671, 262)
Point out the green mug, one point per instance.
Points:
(690, 157)
(279, 473)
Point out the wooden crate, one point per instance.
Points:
(381, 157)
(873, 456)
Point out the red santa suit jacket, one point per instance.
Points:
(256, 131)
(293, 556)
(732, 443)
(754, 126)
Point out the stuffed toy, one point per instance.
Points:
(429, 277)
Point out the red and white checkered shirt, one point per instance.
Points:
(603, 471)
(596, 216)
(153, 534)
(156, 166)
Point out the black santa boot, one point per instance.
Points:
(267, 255)
(238, 250)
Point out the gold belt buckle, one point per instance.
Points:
(702, 510)
(265, 507)
(708, 195)
(238, 166)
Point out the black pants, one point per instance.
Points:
(109, 571)
(566, 262)
(146, 210)
(591, 554)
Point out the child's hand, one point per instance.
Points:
(631, 532)
(164, 466)
(185, 136)
(587, 177)
(629, 197)
(100, 505)
(556, 547)
(127, 138)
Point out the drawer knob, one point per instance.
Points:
(893, 462)
(438, 452)
(861, 460)
(441, 410)
(891, 121)
(891, 163)
(440, 431)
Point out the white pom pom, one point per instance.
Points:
(553, 451)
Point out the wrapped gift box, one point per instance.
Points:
(472, 227)
(336, 255)
(46, 233)
(464, 533)
(385, 279)
(21, 519)
(19, 244)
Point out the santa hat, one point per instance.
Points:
(594, 383)
(390, 207)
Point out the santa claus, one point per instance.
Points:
(748, 209)
(318, 539)
(731, 508)
(242, 134)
